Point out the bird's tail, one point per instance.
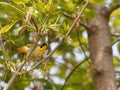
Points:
(14, 48)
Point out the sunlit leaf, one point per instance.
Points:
(116, 22)
(69, 88)
(89, 13)
(116, 60)
(7, 27)
(54, 27)
(66, 27)
(118, 47)
(21, 1)
(116, 12)
(10, 5)
(76, 43)
(84, 40)
(16, 32)
(71, 6)
(68, 6)
(47, 7)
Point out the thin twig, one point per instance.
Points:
(77, 18)
(114, 7)
(62, 40)
(116, 34)
(74, 69)
(115, 41)
(85, 26)
(78, 37)
(48, 42)
(3, 49)
(68, 16)
(36, 65)
(32, 48)
(58, 18)
(34, 23)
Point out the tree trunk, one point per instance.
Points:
(101, 49)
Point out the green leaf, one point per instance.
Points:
(69, 88)
(40, 6)
(66, 26)
(89, 13)
(116, 12)
(71, 6)
(116, 60)
(118, 47)
(116, 22)
(47, 7)
(10, 5)
(16, 32)
(21, 1)
(7, 27)
(68, 6)
(54, 27)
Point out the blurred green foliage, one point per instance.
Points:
(17, 29)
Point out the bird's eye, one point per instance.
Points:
(44, 44)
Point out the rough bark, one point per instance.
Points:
(101, 49)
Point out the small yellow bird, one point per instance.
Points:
(37, 53)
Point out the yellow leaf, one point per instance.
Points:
(44, 72)
(66, 27)
(116, 12)
(21, 1)
(47, 7)
(69, 88)
(50, 1)
(7, 27)
(70, 6)
(116, 60)
(76, 43)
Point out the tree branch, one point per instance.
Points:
(114, 7)
(68, 16)
(115, 41)
(33, 21)
(115, 34)
(78, 37)
(68, 77)
(36, 65)
(3, 49)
